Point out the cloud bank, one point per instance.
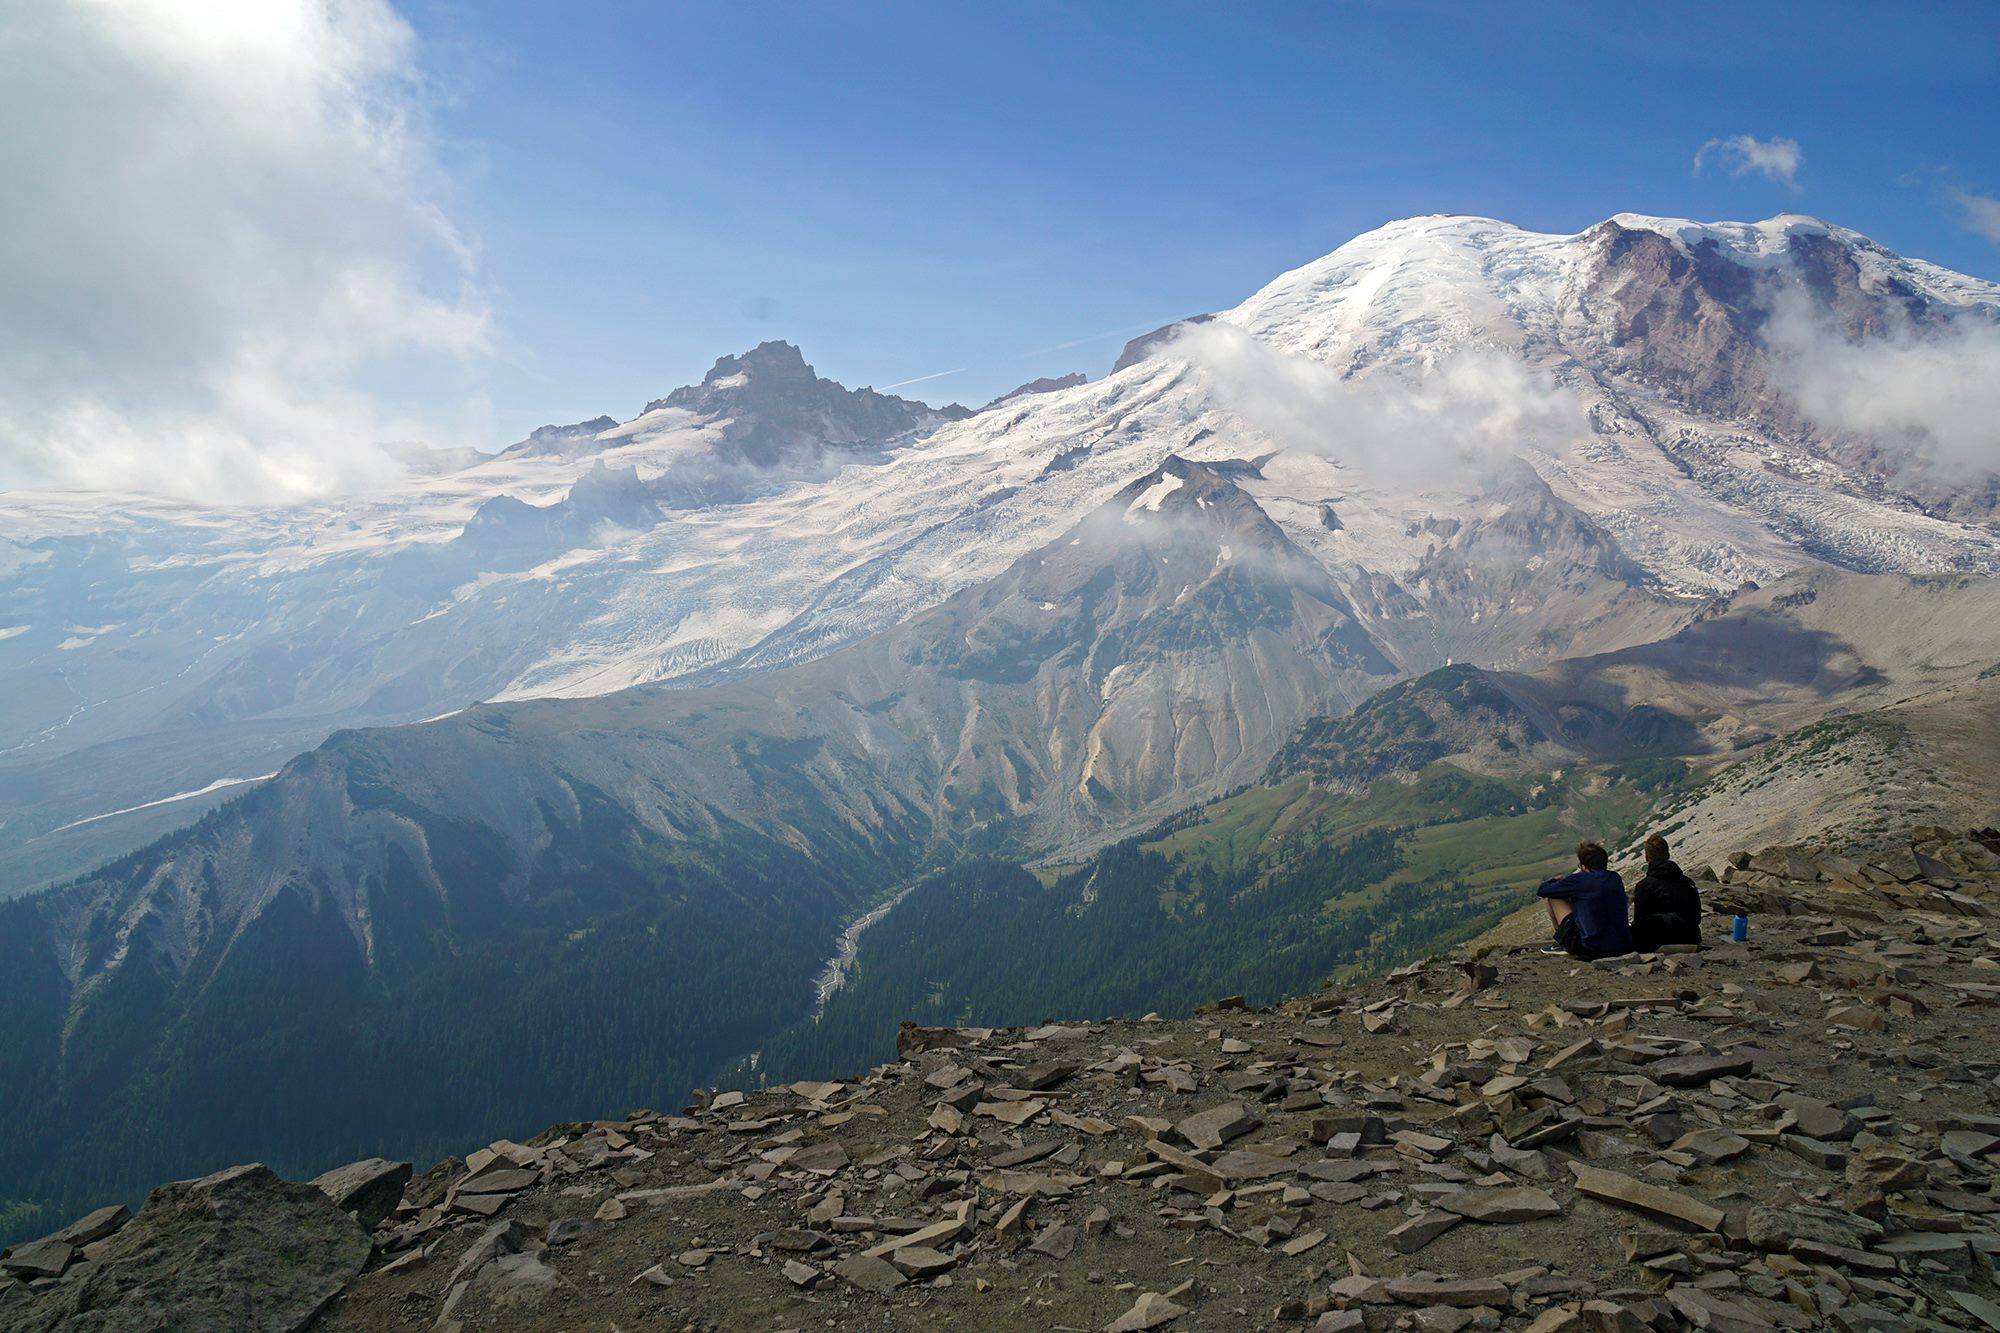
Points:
(1932, 394)
(222, 215)
(1776, 158)
(1452, 424)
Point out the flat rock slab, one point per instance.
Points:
(1712, 1145)
(39, 1258)
(369, 1189)
(921, 1261)
(1150, 1311)
(820, 1159)
(1244, 1164)
(1056, 1241)
(499, 1178)
(1614, 1188)
(1517, 1204)
(1217, 1125)
(1689, 1071)
(869, 1273)
(1421, 1230)
(94, 1226)
(241, 1249)
(1461, 1294)
(1710, 1310)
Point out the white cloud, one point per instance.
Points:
(1981, 214)
(1741, 154)
(220, 216)
(1447, 425)
(1932, 394)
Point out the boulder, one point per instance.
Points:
(240, 1249)
(367, 1190)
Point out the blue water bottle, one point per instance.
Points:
(1739, 929)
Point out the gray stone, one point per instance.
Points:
(1614, 1188)
(1439, 1291)
(921, 1261)
(1775, 1229)
(1712, 1145)
(94, 1226)
(869, 1273)
(1517, 1204)
(820, 1159)
(1217, 1125)
(39, 1258)
(501, 1238)
(1816, 1120)
(1246, 1165)
(1150, 1311)
(1707, 1310)
(568, 1230)
(1056, 1241)
(500, 1177)
(368, 1190)
(1985, 1311)
(1421, 1230)
(241, 1249)
(1688, 1071)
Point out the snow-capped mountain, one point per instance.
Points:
(1606, 426)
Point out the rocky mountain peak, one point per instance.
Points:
(1146, 344)
(1045, 384)
(776, 413)
(561, 441)
(774, 361)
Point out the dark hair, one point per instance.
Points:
(1591, 856)
(1656, 849)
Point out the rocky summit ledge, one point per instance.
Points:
(1799, 1131)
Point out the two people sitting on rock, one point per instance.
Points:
(1588, 907)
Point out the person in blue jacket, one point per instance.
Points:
(1588, 908)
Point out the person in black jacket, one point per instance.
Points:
(1666, 906)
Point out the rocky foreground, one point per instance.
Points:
(1798, 1131)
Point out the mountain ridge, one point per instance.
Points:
(289, 624)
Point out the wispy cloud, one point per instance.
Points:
(936, 375)
(1979, 213)
(1444, 426)
(1088, 338)
(222, 220)
(1741, 154)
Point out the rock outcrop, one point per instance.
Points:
(240, 1249)
(1800, 1130)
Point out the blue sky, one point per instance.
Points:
(910, 189)
(250, 233)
